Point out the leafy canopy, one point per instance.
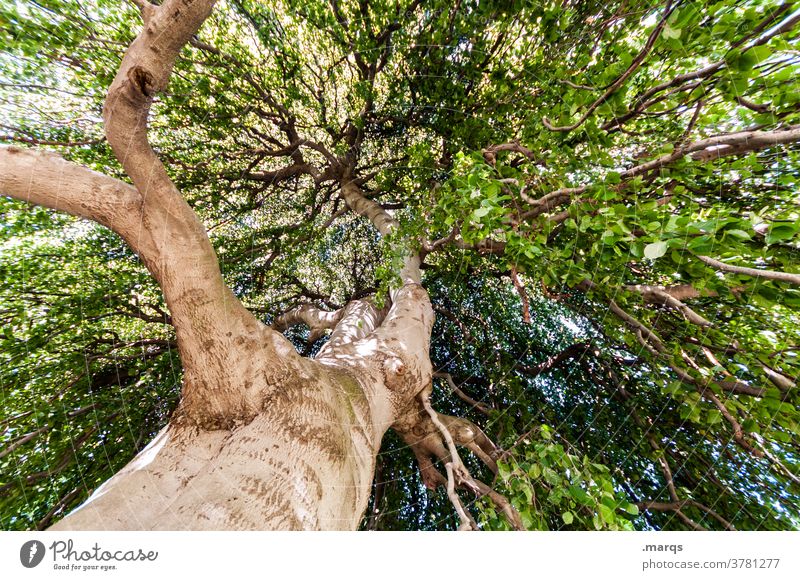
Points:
(603, 191)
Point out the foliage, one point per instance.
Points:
(572, 491)
(457, 118)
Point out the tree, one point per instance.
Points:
(591, 205)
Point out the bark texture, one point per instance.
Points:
(304, 461)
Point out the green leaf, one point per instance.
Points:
(760, 53)
(741, 234)
(580, 495)
(567, 517)
(780, 231)
(482, 211)
(669, 32)
(655, 250)
(551, 476)
(607, 513)
(503, 470)
(631, 508)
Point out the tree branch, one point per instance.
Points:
(455, 467)
(368, 208)
(478, 406)
(635, 64)
(658, 295)
(157, 222)
(355, 321)
(755, 273)
(172, 232)
(317, 320)
(703, 151)
(572, 351)
(383, 222)
(45, 178)
(146, 9)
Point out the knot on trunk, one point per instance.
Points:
(142, 80)
(394, 366)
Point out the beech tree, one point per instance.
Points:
(399, 264)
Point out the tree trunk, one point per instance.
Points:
(304, 461)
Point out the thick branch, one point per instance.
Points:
(317, 320)
(355, 321)
(370, 209)
(433, 436)
(44, 178)
(178, 251)
(212, 326)
(658, 295)
(768, 274)
(703, 151)
(383, 222)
